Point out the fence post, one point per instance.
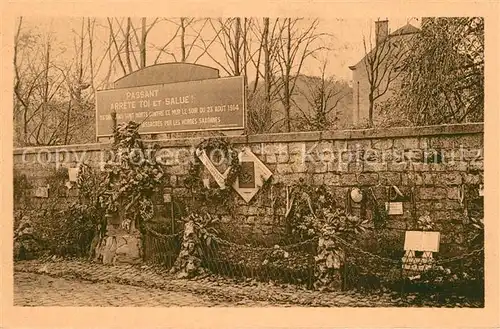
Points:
(311, 265)
(344, 281)
(172, 220)
(403, 281)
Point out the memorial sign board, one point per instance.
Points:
(212, 104)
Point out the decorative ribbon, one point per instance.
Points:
(219, 178)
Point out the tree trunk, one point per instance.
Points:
(45, 99)
(288, 66)
(118, 54)
(183, 36)
(267, 64)
(66, 133)
(286, 104)
(370, 110)
(237, 33)
(245, 55)
(127, 45)
(267, 71)
(143, 43)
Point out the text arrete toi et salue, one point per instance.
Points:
(145, 100)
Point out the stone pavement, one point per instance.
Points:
(80, 283)
(32, 289)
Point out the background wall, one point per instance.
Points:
(340, 160)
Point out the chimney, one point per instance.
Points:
(381, 30)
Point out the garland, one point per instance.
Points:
(196, 244)
(315, 215)
(213, 194)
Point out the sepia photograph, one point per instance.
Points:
(248, 161)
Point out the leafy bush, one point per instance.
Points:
(66, 232)
(21, 187)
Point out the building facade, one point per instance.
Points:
(378, 70)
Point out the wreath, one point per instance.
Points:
(213, 192)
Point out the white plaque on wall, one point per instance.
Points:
(422, 241)
(394, 208)
(73, 174)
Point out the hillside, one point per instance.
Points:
(302, 112)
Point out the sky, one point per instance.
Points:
(346, 42)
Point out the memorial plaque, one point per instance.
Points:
(394, 208)
(73, 174)
(246, 178)
(260, 175)
(422, 241)
(212, 104)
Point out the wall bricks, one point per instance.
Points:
(472, 179)
(366, 179)
(285, 168)
(453, 193)
(390, 178)
(472, 141)
(447, 205)
(449, 178)
(290, 179)
(319, 179)
(360, 144)
(331, 179)
(432, 193)
(476, 165)
(282, 158)
(382, 144)
(443, 142)
(394, 166)
(375, 166)
(406, 143)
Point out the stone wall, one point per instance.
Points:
(443, 185)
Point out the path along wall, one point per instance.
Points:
(439, 169)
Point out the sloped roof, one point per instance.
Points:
(407, 29)
(404, 30)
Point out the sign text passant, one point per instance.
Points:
(212, 104)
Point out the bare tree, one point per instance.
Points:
(322, 96)
(51, 105)
(382, 64)
(229, 36)
(262, 98)
(189, 33)
(296, 45)
(266, 61)
(129, 40)
(37, 83)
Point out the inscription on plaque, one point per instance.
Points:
(212, 104)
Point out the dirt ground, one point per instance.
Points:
(42, 290)
(80, 283)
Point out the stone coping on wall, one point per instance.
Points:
(398, 132)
